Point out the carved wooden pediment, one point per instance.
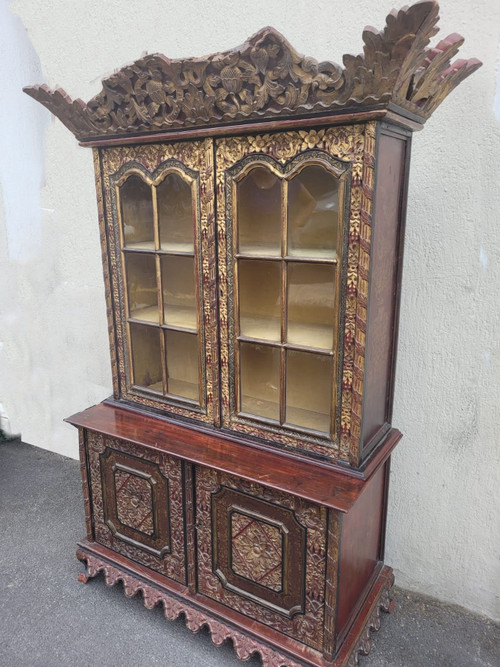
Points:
(266, 78)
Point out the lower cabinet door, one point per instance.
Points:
(262, 553)
(137, 504)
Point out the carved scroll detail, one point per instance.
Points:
(266, 78)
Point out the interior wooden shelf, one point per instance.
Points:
(260, 251)
(140, 245)
(183, 389)
(317, 421)
(157, 386)
(174, 316)
(179, 388)
(315, 336)
(310, 335)
(149, 314)
(308, 419)
(179, 316)
(184, 248)
(263, 328)
(297, 254)
(260, 408)
(312, 253)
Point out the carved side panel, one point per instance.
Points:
(138, 504)
(262, 553)
(154, 160)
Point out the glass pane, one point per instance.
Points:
(182, 365)
(311, 301)
(260, 380)
(141, 287)
(146, 356)
(313, 215)
(179, 300)
(258, 197)
(260, 299)
(175, 214)
(137, 213)
(309, 390)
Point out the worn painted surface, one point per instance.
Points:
(443, 536)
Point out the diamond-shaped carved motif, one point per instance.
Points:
(134, 502)
(256, 551)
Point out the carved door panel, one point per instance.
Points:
(137, 503)
(262, 553)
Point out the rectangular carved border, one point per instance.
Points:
(173, 564)
(306, 627)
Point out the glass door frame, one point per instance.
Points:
(230, 172)
(193, 162)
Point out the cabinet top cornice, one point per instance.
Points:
(266, 79)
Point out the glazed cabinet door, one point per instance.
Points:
(262, 553)
(137, 503)
(285, 201)
(159, 226)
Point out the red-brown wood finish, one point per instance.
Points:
(360, 547)
(142, 518)
(387, 243)
(311, 480)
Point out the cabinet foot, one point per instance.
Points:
(83, 577)
(383, 602)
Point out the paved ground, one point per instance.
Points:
(49, 619)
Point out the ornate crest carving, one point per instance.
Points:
(267, 78)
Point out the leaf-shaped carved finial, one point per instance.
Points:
(266, 78)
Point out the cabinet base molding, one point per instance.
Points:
(175, 603)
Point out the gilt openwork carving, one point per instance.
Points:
(267, 78)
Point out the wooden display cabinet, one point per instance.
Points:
(252, 208)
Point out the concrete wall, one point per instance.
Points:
(54, 360)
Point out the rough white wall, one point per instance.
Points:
(443, 531)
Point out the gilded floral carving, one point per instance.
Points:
(257, 552)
